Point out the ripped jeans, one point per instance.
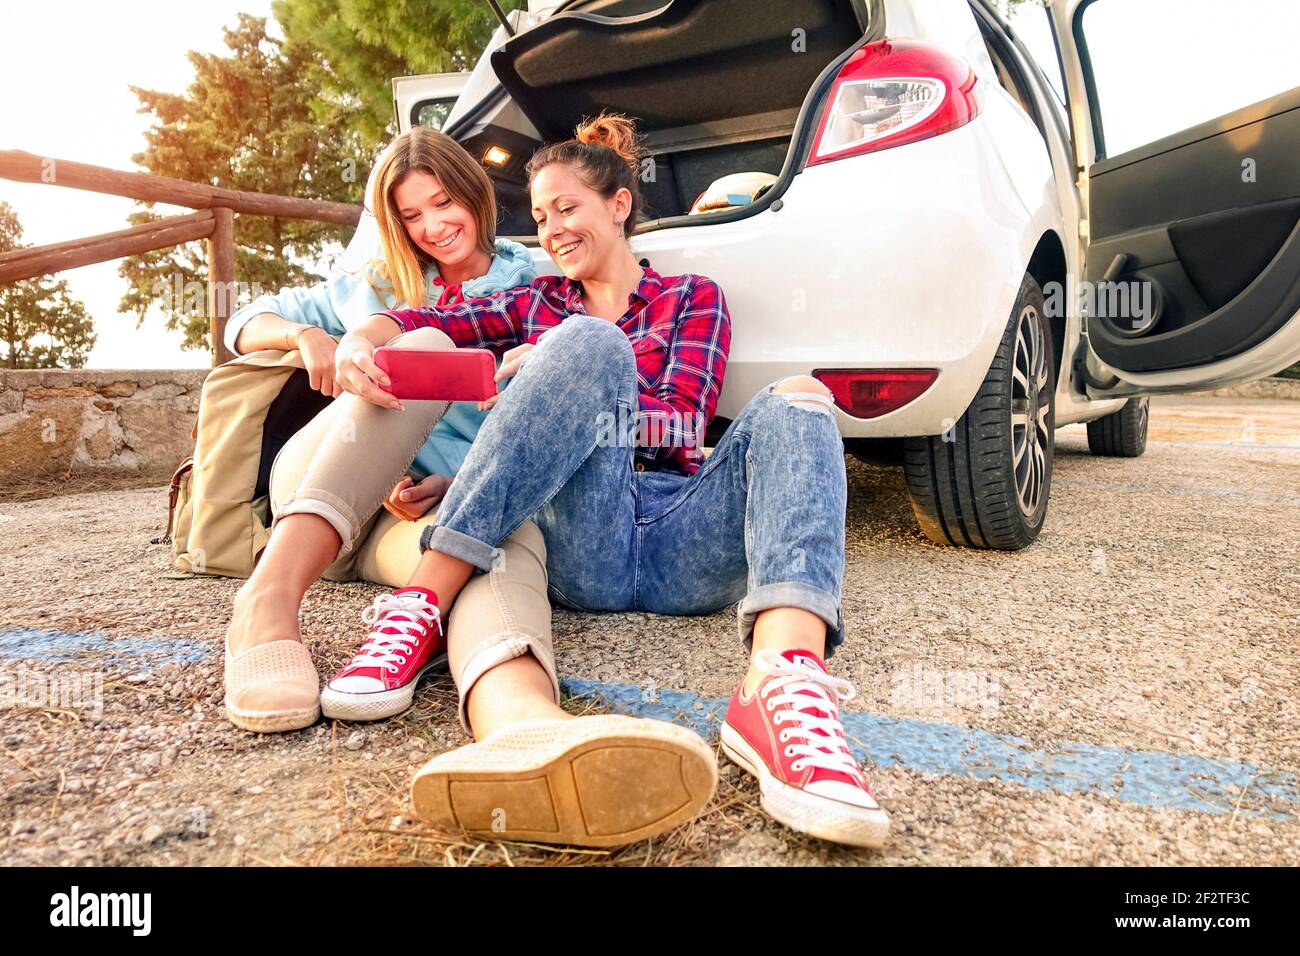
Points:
(760, 522)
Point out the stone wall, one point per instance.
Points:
(96, 423)
(1278, 389)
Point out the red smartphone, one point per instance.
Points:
(444, 375)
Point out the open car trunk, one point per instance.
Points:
(715, 86)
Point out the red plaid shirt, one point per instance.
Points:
(680, 333)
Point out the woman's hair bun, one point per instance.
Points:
(614, 131)
(606, 155)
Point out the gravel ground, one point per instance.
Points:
(1157, 612)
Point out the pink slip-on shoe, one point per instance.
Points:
(271, 687)
(405, 641)
(788, 735)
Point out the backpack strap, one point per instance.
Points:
(172, 494)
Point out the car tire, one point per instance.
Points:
(1121, 434)
(985, 482)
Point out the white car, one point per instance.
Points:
(928, 185)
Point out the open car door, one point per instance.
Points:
(1193, 235)
(426, 100)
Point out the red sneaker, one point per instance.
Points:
(788, 735)
(405, 641)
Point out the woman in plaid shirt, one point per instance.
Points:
(615, 370)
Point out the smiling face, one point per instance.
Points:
(578, 227)
(436, 223)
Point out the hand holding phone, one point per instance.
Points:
(511, 363)
(355, 370)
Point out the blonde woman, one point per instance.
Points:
(436, 216)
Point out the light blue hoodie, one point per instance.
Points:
(345, 301)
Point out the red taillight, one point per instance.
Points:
(872, 392)
(893, 92)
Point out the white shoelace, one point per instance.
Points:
(389, 650)
(804, 687)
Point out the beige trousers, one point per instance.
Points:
(342, 465)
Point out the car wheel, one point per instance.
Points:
(1121, 434)
(984, 483)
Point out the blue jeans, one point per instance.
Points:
(761, 521)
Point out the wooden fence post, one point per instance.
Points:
(221, 280)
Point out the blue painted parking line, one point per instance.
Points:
(131, 654)
(1151, 778)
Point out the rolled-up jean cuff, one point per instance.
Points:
(792, 594)
(497, 650)
(458, 545)
(324, 505)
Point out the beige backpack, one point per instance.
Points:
(218, 513)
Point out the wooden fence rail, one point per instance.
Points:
(214, 222)
(43, 260)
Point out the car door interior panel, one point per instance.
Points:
(1210, 217)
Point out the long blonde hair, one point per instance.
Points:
(427, 151)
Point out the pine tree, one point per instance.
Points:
(368, 42)
(254, 120)
(41, 324)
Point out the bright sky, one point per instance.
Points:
(1164, 65)
(65, 66)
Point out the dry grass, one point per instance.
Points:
(377, 828)
(60, 484)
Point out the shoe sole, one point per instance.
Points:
(817, 816)
(617, 781)
(273, 722)
(379, 705)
